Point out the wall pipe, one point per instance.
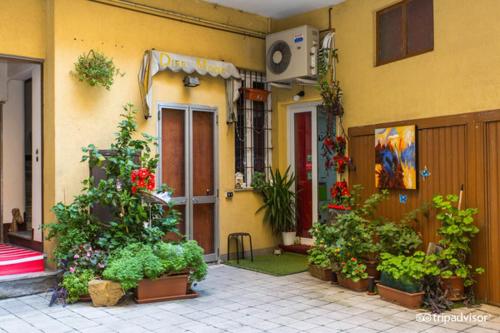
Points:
(172, 15)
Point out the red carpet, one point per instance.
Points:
(16, 260)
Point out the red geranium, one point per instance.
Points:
(142, 178)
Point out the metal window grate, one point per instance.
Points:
(253, 139)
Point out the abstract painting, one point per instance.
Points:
(395, 158)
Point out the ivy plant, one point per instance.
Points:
(96, 69)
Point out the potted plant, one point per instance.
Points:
(279, 204)
(328, 85)
(401, 278)
(353, 275)
(96, 69)
(163, 271)
(456, 231)
(320, 262)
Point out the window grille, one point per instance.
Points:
(253, 142)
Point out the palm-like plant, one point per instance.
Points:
(279, 201)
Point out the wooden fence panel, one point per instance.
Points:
(457, 150)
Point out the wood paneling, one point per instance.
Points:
(173, 150)
(493, 209)
(204, 226)
(461, 149)
(203, 153)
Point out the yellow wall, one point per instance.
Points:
(22, 28)
(75, 114)
(458, 76)
(86, 114)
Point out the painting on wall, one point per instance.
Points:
(395, 158)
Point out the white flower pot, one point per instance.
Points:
(288, 238)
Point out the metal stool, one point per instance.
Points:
(238, 236)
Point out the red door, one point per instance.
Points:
(303, 171)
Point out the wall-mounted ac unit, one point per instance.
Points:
(292, 54)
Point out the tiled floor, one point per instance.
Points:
(235, 300)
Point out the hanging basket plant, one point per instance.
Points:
(328, 85)
(96, 69)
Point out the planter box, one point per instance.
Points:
(361, 285)
(408, 300)
(164, 288)
(455, 287)
(324, 274)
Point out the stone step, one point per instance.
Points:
(28, 284)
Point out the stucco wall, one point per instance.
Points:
(458, 76)
(84, 114)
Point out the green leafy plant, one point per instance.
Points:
(76, 284)
(321, 256)
(138, 261)
(456, 231)
(353, 269)
(96, 69)
(407, 272)
(279, 201)
(132, 264)
(76, 225)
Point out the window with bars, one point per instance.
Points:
(253, 144)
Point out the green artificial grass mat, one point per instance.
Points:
(284, 264)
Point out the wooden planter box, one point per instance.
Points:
(408, 300)
(165, 288)
(455, 287)
(324, 274)
(361, 285)
(253, 94)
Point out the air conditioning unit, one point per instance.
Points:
(292, 54)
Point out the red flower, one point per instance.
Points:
(134, 189)
(353, 259)
(143, 173)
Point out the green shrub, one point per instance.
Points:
(76, 284)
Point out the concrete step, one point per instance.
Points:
(28, 284)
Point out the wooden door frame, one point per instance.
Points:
(475, 177)
(188, 172)
(293, 109)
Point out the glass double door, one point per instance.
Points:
(188, 165)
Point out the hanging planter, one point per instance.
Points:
(96, 69)
(253, 94)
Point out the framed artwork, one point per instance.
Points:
(396, 158)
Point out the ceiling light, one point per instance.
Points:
(299, 95)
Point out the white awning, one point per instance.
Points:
(156, 61)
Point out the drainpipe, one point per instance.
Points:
(172, 15)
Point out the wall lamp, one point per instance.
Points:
(299, 95)
(191, 81)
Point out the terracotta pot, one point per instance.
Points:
(408, 300)
(455, 287)
(361, 285)
(371, 268)
(164, 288)
(324, 274)
(85, 298)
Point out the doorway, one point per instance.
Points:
(303, 158)
(188, 149)
(21, 151)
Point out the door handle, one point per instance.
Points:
(208, 191)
